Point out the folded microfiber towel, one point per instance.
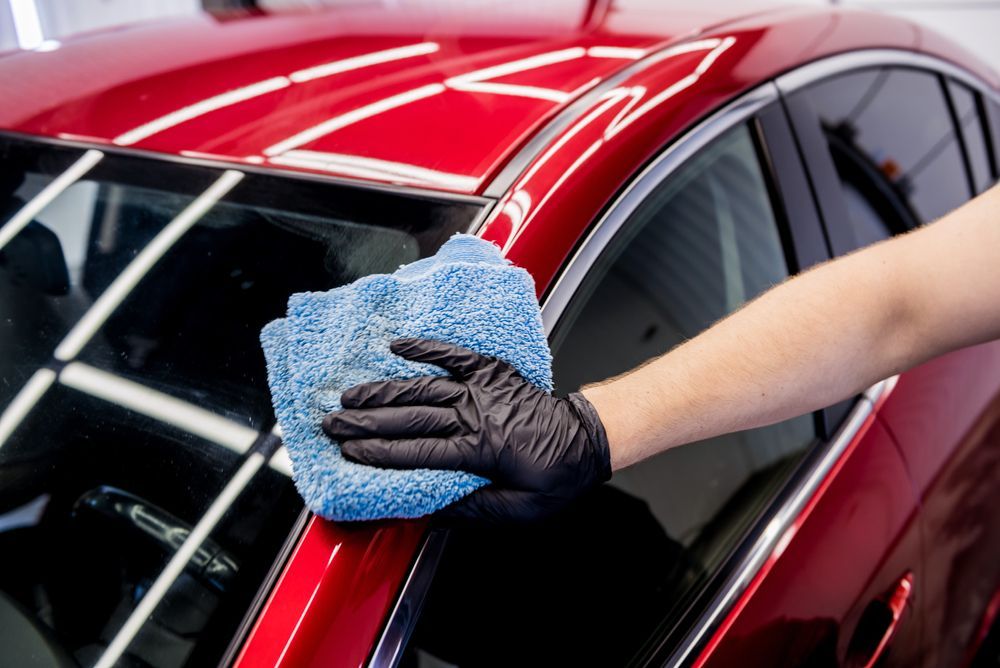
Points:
(466, 294)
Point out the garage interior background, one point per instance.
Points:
(40, 24)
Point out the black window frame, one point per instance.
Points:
(950, 85)
(825, 181)
(988, 110)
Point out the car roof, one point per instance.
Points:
(420, 97)
(432, 99)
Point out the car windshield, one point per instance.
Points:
(143, 498)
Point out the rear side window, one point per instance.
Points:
(599, 584)
(135, 407)
(968, 114)
(895, 148)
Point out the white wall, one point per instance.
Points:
(59, 18)
(974, 23)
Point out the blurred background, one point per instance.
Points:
(40, 24)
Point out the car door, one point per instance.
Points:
(643, 570)
(891, 148)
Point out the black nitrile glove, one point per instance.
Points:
(539, 451)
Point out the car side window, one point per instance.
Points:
(894, 146)
(970, 118)
(627, 559)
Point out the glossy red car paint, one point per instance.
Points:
(327, 606)
(313, 95)
(794, 609)
(952, 444)
(444, 118)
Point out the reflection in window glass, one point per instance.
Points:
(704, 243)
(118, 457)
(973, 132)
(892, 138)
(870, 219)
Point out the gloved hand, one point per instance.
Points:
(539, 451)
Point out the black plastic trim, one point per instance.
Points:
(822, 172)
(947, 85)
(992, 119)
(793, 192)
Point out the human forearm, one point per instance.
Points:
(804, 344)
(807, 343)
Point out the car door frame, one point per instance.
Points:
(819, 165)
(804, 244)
(802, 241)
(798, 199)
(793, 201)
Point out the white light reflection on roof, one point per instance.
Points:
(270, 85)
(630, 112)
(366, 60)
(622, 52)
(372, 167)
(200, 109)
(349, 118)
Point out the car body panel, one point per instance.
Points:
(330, 603)
(376, 105)
(945, 414)
(807, 601)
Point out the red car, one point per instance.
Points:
(166, 187)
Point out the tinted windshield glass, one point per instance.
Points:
(135, 410)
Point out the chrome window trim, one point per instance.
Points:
(776, 534)
(769, 541)
(736, 112)
(404, 616)
(858, 60)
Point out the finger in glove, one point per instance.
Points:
(391, 422)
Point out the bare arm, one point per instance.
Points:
(806, 343)
(816, 338)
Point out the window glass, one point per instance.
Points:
(894, 146)
(871, 219)
(592, 586)
(973, 133)
(113, 452)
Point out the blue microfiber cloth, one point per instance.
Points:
(466, 294)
